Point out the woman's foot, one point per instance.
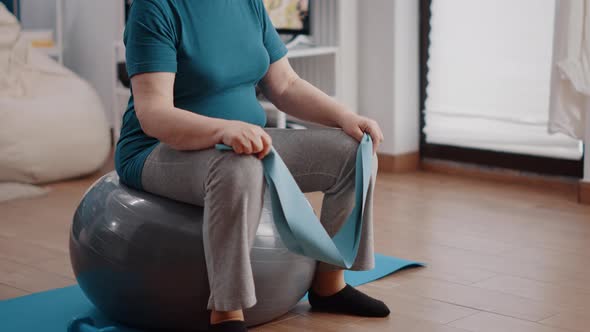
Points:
(348, 301)
(227, 321)
(330, 293)
(229, 326)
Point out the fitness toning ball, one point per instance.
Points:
(139, 258)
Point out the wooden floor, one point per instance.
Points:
(501, 257)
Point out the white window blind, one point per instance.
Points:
(489, 71)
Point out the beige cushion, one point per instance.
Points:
(57, 130)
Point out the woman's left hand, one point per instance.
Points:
(356, 125)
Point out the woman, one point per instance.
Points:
(194, 66)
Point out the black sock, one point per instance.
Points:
(229, 326)
(349, 301)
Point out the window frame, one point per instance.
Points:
(507, 160)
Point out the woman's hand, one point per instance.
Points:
(245, 138)
(356, 125)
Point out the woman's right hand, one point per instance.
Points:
(245, 138)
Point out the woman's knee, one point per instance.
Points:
(238, 173)
(347, 148)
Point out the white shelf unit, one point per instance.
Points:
(57, 50)
(331, 64)
(312, 51)
(317, 64)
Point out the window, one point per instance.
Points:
(488, 77)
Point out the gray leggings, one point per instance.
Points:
(231, 189)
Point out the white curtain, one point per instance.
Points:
(570, 81)
(489, 73)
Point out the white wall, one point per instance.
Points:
(389, 71)
(348, 44)
(37, 14)
(376, 66)
(90, 29)
(587, 149)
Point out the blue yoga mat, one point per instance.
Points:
(51, 311)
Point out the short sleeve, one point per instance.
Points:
(272, 42)
(150, 38)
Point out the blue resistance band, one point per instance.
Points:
(295, 220)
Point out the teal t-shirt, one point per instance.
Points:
(219, 50)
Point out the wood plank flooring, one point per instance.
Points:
(502, 257)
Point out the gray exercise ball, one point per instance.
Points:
(139, 259)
